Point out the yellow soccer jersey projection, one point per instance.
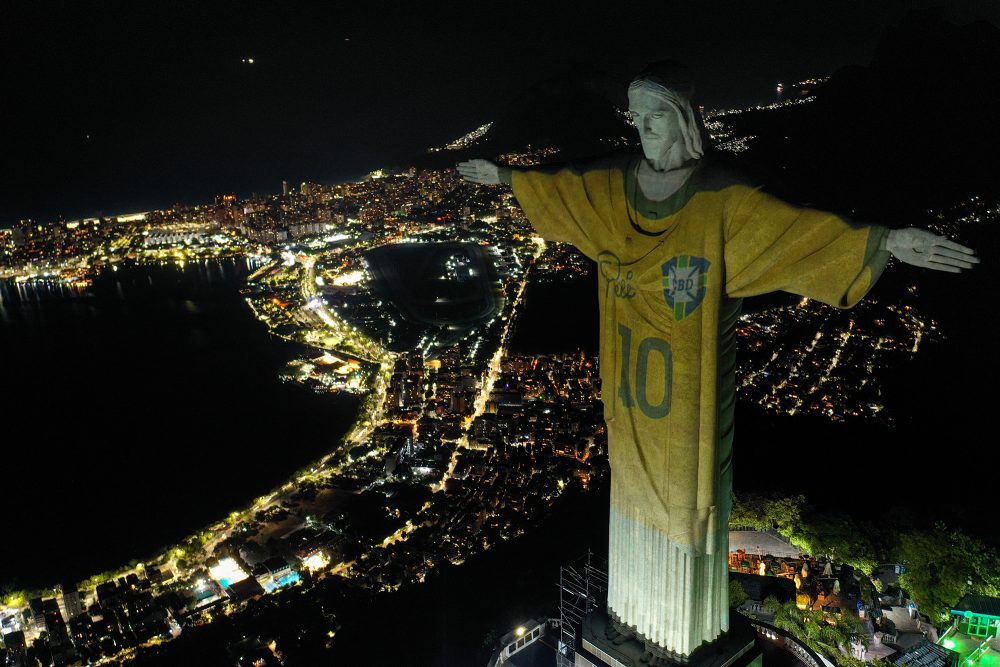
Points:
(672, 274)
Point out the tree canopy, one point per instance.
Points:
(942, 565)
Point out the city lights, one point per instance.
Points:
(460, 443)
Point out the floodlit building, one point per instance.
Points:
(978, 616)
(164, 238)
(227, 572)
(974, 635)
(275, 573)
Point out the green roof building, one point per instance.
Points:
(978, 616)
(974, 631)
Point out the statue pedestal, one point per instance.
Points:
(735, 648)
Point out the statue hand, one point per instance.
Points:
(479, 171)
(928, 250)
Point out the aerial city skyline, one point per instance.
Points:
(257, 423)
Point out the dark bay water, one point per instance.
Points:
(139, 411)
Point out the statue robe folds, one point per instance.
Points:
(672, 274)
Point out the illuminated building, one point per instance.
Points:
(69, 602)
(977, 616)
(227, 572)
(974, 635)
(315, 561)
(521, 646)
(275, 573)
(161, 238)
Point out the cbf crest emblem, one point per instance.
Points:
(685, 279)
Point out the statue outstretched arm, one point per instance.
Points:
(771, 245)
(928, 250)
(480, 171)
(567, 203)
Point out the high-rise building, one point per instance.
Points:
(36, 614)
(69, 602)
(17, 237)
(284, 188)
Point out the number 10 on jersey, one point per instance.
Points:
(647, 347)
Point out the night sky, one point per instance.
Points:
(115, 108)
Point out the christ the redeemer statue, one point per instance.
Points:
(679, 242)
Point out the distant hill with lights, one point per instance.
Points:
(914, 129)
(578, 111)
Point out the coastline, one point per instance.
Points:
(84, 305)
(201, 543)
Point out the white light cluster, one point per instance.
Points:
(465, 140)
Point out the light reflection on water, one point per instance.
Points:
(13, 293)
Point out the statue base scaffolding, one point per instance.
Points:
(602, 645)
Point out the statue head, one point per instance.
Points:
(659, 101)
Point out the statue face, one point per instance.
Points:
(657, 122)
